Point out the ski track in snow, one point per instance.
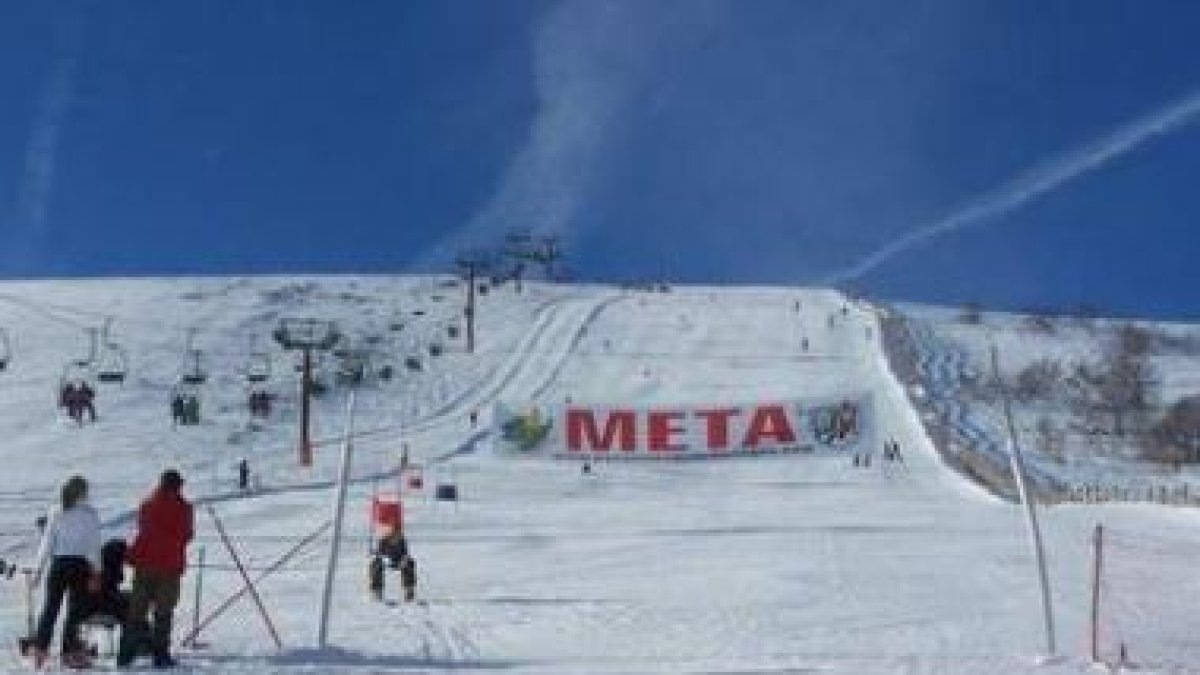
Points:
(770, 564)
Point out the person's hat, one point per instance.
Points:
(170, 480)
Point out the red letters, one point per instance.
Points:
(717, 426)
(769, 421)
(660, 429)
(715, 430)
(620, 426)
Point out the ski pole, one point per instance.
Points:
(29, 601)
(262, 610)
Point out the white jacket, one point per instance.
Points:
(71, 532)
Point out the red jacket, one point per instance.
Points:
(164, 529)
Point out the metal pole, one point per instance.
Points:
(237, 560)
(199, 593)
(339, 509)
(1097, 561)
(268, 571)
(1018, 469)
(305, 410)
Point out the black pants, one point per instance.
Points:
(68, 576)
(154, 594)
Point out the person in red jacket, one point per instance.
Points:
(158, 557)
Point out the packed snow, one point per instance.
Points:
(796, 563)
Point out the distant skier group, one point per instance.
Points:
(77, 567)
(260, 403)
(185, 409)
(891, 455)
(78, 398)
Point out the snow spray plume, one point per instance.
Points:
(590, 61)
(1034, 183)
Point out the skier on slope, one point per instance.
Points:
(71, 546)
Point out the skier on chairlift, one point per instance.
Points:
(177, 410)
(87, 401)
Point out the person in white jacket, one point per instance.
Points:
(71, 549)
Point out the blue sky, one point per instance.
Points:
(744, 142)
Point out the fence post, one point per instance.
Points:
(199, 594)
(1097, 561)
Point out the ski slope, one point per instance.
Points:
(787, 563)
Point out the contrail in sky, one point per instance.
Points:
(36, 189)
(591, 59)
(1034, 183)
(41, 152)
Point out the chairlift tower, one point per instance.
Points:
(470, 266)
(306, 336)
(517, 247)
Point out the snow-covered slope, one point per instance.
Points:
(779, 563)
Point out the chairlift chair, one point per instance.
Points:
(193, 373)
(111, 359)
(258, 368)
(113, 365)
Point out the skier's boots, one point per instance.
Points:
(76, 660)
(160, 641)
(133, 635)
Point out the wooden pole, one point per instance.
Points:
(471, 308)
(306, 411)
(1097, 562)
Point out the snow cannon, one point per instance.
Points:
(387, 513)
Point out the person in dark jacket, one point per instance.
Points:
(87, 401)
(165, 525)
(394, 547)
(111, 600)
